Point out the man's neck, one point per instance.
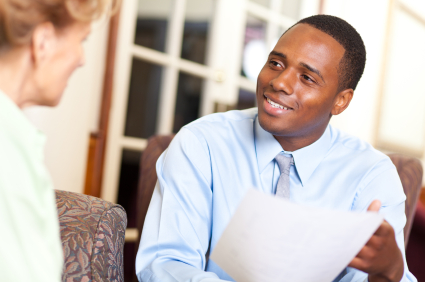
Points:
(293, 143)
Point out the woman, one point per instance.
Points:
(40, 47)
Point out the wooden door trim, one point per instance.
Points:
(98, 139)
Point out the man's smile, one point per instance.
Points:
(276, 105)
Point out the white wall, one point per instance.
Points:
(402, 118)
(68, 125)
(369, 18)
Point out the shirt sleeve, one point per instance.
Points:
(30, 248)
(382, 183)
(177, 228)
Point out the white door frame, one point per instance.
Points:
(221, 73)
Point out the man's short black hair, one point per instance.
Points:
(352, 64)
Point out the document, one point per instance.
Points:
(271, 239)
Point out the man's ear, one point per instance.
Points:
(342, 100)
(43, 43)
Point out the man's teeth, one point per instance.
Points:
(276, 105)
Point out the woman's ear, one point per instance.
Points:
(342, 100)
(43, 43)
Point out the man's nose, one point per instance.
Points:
(284, 82)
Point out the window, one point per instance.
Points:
(178, 60)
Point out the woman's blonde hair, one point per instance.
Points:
(18, 18)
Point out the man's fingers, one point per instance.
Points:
(364, 253)
(384, 229)
(374, 206)
(375, 242)
(364, 259)
(357, 263)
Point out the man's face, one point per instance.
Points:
(297, 87)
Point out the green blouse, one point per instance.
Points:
(30, 246)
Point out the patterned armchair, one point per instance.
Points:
(92, 232)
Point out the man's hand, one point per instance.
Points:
(380, 257)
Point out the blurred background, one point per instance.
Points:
(161, 64)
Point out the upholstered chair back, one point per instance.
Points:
(410, 172)
(92, 232)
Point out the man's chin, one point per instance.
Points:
(268, 124)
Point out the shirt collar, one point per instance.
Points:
(18, 126)
(266, 146)
(306, 159)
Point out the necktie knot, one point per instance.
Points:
(284, 163)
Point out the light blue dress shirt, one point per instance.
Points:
(212, 162)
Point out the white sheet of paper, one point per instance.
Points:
(272, 239)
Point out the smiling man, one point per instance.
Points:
(285, 147)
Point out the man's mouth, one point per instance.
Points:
(276, 105)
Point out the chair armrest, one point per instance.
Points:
(419, 221)
(92, 233)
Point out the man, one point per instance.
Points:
(309, 76)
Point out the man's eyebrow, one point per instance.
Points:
(278, 54)
(310, 68)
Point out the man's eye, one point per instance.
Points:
(274, 63)
(306, 77)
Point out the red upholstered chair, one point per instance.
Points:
(415, 251)
(147, 179)
(410, 172)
